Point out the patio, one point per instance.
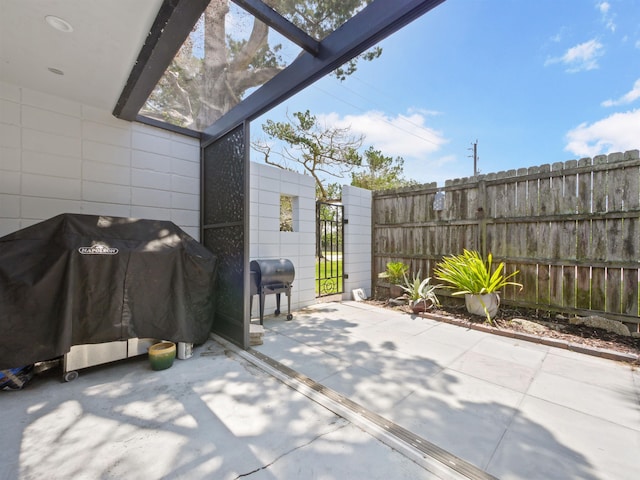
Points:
(212, 416)
(514, 410)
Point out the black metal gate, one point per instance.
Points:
(329, 248)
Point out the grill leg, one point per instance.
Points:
(289, 316)
(277, 312)
(261, 306)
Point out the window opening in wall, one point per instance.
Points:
(287, 204)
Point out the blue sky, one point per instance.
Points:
(533, 82)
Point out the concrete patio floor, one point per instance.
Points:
(214, 416)
(513, 409)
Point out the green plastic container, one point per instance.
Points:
(162, 355)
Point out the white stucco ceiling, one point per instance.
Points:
(96, 57)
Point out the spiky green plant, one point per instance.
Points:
(417, 289)
(395, 272)
(469, 273)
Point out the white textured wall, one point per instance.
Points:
(268, 242)
(58, 156)
(357, 240)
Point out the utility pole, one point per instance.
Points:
(475, 158)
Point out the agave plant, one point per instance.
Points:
(417, 289)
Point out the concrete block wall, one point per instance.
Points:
(266, 240)
(59, 156)
(357, 240)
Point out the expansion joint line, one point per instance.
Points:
(434, 459)
(289, 452)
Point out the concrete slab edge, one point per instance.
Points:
(548, 341)
(296, 382)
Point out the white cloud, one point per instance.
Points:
(604, 8)
(400, 135)
(627, 98)
(581, 57)
(616, 133)
(405, 136)
(424, 111)
(556, 38)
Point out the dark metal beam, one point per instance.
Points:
(374, 23)
(171, 27)
(168, 126)
(280, 24)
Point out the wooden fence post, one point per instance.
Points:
(481, 215)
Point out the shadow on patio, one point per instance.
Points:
(513, 409)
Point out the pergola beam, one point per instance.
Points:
(171, 27)
(280, 24)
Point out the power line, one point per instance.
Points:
(384, 120)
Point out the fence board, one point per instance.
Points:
(515, 240)
(557, 189)
(543, 284)
(522, 200)
(528, 277)
(618, 186)
(468, 205)
(490, 201)
(568, 250)
(583, 239)
(598, 288)
(614, 284)
(599, 186)
(569, 274)
(532, 240)
(570, 193)
(583, 288)
(533, 192)
(598, 244)
(614, 239)
(499, 245)
(506, 198)
(545, 201)
(632, 188)
(544, 244)
(555, 285)
(584, 188)
(630, 302)
(630, 250)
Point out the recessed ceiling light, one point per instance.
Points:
(55, 70)
(58, 23)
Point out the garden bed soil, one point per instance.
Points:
(543, 327)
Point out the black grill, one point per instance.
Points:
(272, 277)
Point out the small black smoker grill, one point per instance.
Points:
(272, 277)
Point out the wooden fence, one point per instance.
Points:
(572, 229)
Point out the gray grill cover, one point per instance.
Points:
(78, 279)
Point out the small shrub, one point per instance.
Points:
(469, 273)
(394, 273)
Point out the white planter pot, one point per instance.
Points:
(476, 304)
